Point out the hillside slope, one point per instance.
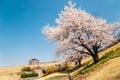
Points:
(5, 72)
(109, 71)
(56, 76)
(103, 52)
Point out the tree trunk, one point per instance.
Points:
(79, 63)
(75, 63)
(93, 52)
(69, 76)
(95, 58)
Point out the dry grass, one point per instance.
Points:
(5, 72)
(109, 49)
(54, 76)
(109, 71)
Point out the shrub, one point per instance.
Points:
(26, 75)
(44, 71)
(57, 64)
(57, 67)
(68, 66)
(50, 69)
(26, 69)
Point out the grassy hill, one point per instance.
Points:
(108, 71)
(59, 76)
(108, 68)
(74, 74)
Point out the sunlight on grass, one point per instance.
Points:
(111, 54)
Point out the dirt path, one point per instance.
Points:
(53, 76)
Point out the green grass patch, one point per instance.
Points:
(72, 70)
(76, 68)
(111, 54)
(27, 75)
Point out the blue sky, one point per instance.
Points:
(21, 22)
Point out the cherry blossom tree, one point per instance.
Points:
(77, 30)
(74, 57)
(118, 36)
